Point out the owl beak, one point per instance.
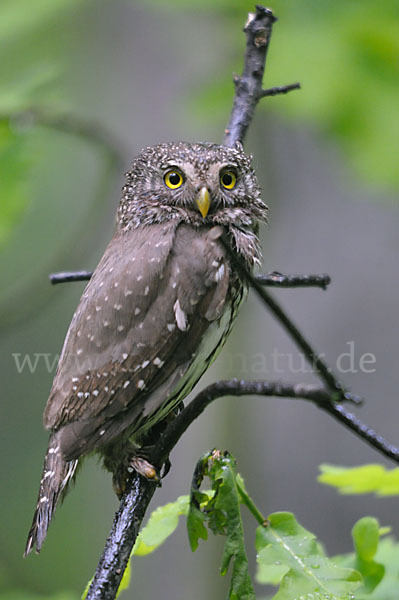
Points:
(203, 201)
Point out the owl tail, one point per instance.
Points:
(57, 473)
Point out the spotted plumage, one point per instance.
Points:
(155, 313)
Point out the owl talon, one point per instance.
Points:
(146, 469)
(166, 468)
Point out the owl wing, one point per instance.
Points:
(139, 323)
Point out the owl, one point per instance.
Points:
(155, 313)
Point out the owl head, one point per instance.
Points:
(195, 183)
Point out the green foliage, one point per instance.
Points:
(375, 559)
(289, 554)
(221, 512)
(161, 524)
(367, 479)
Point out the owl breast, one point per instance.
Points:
(154, 316)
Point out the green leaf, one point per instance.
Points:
(361, 480)
(223, 516)
(288, 551)
(195, 526)
(387, 555)
(366, 535)
(161, 524)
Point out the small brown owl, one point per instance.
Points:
(155, 313)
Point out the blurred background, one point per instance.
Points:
(84, 85)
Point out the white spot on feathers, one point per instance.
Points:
(145, 364)
(128, 292)
(140, 384)
(126, 384)
(95, 392)
(121, 327)
(171, 327)
(124, 356)
(219, 273)
(137, 311)
(180, 315)
(117, 306)
(158, 362)
(146, 291)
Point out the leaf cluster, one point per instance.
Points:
(287, 555)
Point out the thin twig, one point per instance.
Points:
(276, 279)
(282, 89)
(270, 279)
(66, 276)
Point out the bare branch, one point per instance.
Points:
(270, 279)
(276, 279)
(248, 86)
(67, 276)
(284, 89)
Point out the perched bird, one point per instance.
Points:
(155, 313)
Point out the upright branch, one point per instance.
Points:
(248, 86)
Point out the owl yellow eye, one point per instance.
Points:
(173, 179)
(228, 179)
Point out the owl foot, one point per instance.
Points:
(146, 469)
(134, 463)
